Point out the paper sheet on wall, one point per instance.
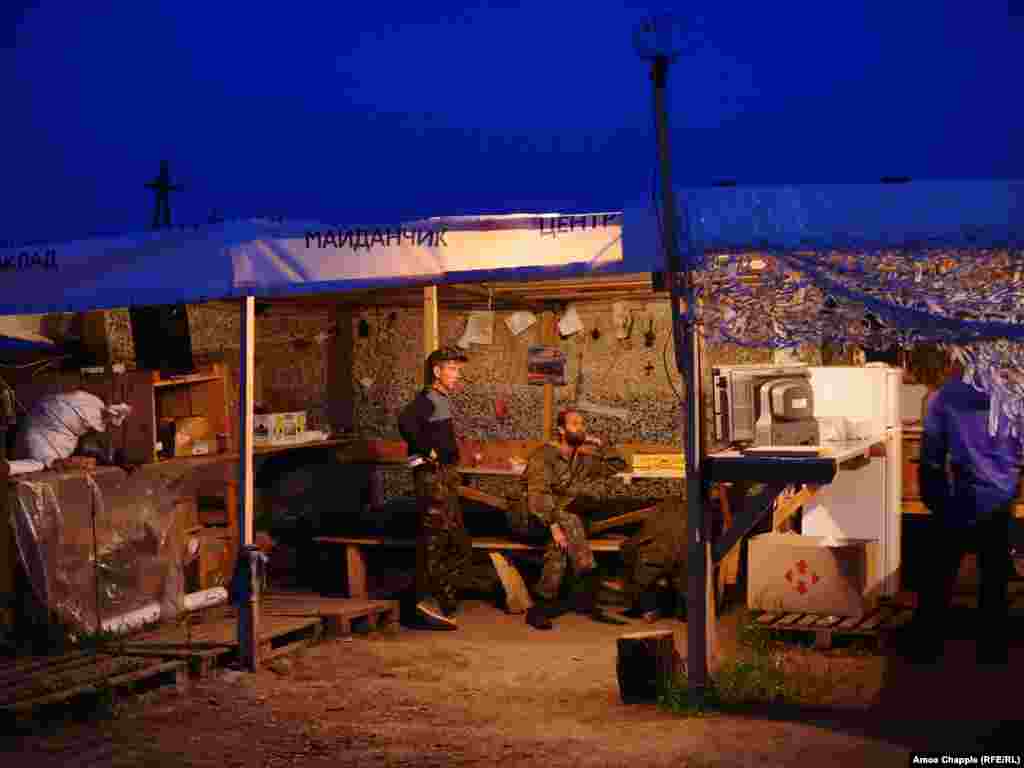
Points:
(570, 322)
(479, 329)
(518, 322)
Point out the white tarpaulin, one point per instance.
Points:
(267, 257)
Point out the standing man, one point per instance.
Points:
(970, 501)
(443, 549)
(554, 473)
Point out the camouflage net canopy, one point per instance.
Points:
(970, 301)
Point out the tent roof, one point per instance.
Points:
(266, 258)
(952, 214)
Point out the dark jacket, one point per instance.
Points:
(552, 481)
(985, 468)
(426, 425)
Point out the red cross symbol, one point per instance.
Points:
(800, 584)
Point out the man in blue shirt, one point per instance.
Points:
(968, 479)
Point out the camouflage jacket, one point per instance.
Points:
(552, 481)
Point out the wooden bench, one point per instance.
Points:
(516, 594)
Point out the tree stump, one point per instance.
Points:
(646, 665)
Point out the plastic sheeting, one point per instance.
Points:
(138, 553)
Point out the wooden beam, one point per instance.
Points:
(248, 611)
(430, 323)
(340, 387)
(548, 337)
(628, 518)
(473, 494)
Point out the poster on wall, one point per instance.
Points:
(545, 365)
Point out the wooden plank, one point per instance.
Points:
(517, 596)
(877, 618)
(473, 494)
(548, 337)
(140, 432)
(823, 639)
(431, 335)
(628, 518)
(355, 569)
(116, 681)
(789, 619)
(899, 619)
(849, 623)
(768, 617)
(824, 622)
(480, 542)
(809, 620)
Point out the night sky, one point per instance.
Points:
(377, 112)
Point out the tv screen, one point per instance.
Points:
(162, 339)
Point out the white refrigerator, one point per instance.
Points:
(864, 503)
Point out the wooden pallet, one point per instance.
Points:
(341, 616)
(45, 681)
(878, 624)
(207, 639)
(289, 621)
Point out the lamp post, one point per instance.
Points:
(658, 41)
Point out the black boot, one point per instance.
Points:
(646, 603)
(540, 614)
(585, 601)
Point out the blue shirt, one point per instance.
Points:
(985, 468)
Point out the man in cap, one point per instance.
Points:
(443, 549)
(969, 476)
(554, 474)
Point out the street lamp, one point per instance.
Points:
(659, 40)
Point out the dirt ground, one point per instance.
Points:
(496, 691)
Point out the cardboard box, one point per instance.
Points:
(190, 436)
(811, 574)
(273, 428)
(652, 461)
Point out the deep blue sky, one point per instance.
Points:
(363, 113)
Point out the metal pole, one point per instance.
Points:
(248, 609)
(688, 362)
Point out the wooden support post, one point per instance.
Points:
(431, 332)
(548, 337)
(355, 567)
(248, 611)
(646, 665)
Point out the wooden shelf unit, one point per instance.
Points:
(152, 398)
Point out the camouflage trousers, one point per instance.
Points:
(556, 562)
(443, 549)
(644, 566)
